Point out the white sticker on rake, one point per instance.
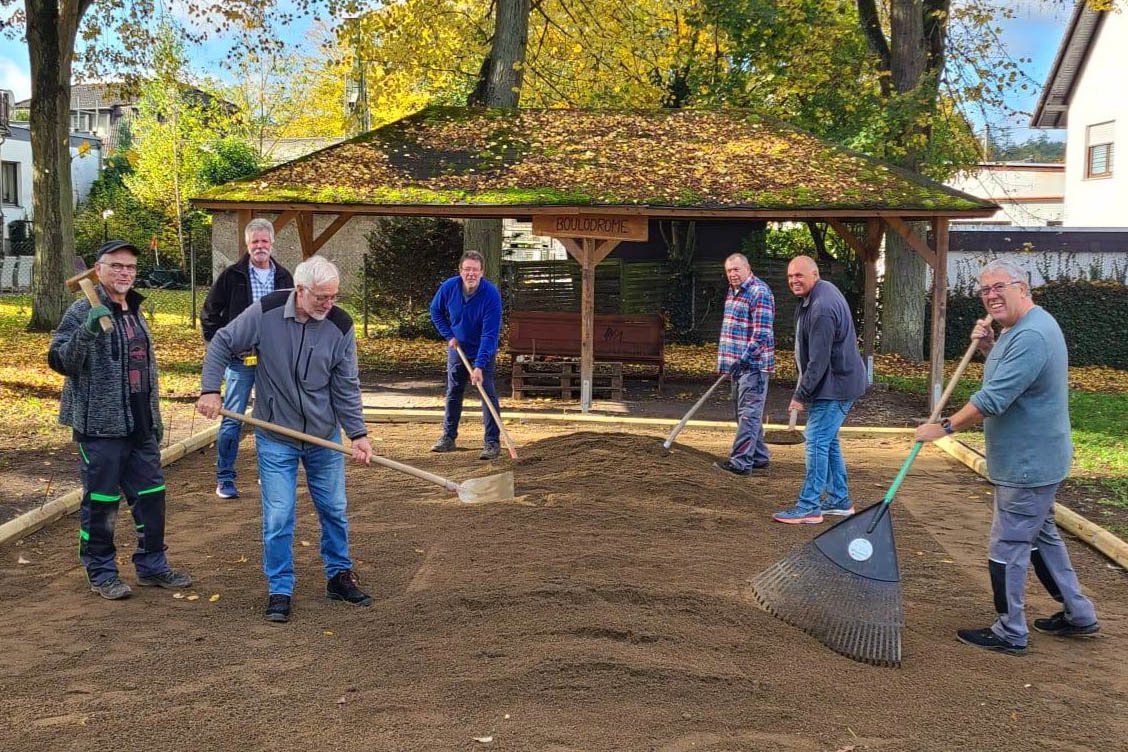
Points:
(860, 549)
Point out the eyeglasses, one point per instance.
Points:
(321, 299)
(996, 288)
(119, 268)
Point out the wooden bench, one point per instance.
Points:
(617, 338)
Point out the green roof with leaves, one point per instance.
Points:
(684, 159)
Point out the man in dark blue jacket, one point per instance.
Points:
(467, 312)
(831, 377)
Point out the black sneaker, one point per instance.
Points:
(728, 467)
(278, 608)
(112, 590)
(343, 587)
(490, 451)
(988, 640)
(169, 579)
(1057, 625)
(445, 444)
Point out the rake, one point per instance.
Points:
(844, 587)
(490, 488)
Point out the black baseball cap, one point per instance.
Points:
(115, 245)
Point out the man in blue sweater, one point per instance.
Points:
(1024, 406)
(467, 312)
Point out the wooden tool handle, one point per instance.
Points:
(92, 296)
(677, 429)
(940, 403)
(488, 403)
(791, 420)
(450, 485)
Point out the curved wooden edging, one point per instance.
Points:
(1088, 531)
(28, 522)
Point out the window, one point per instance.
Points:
(10, 178)
(1099, 150)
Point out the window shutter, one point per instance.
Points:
(1102, 133)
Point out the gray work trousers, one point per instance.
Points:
(749, 392)
(1023, 531)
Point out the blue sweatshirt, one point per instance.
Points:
(475, 323)
(1025, 401)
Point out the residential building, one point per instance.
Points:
(1081, 95)
(1028, 194)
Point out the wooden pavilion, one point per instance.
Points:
(593, 178)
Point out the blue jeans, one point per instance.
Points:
(325, 476)
(826, 470)
(749, 391)
(457, 379)
(236, 394)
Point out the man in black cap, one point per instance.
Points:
(110, 402)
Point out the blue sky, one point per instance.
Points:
(1035, 33)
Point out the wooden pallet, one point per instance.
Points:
(561, 378)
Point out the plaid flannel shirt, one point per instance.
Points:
(258, 289)
(746, 329)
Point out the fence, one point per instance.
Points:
(15, 273)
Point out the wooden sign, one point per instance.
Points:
(610, 226)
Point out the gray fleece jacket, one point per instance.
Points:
(96, 390)
(306, 377)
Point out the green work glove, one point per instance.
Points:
(93, 325)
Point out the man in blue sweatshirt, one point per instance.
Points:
(467, 312)
(1024, 406)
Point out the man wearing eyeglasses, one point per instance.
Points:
(254, 275)
(306, 380)
(1024, 405)
(110, 401)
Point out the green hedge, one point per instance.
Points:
(1093, 316)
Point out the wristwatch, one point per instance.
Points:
(947, 426)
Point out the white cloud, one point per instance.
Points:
(15, 76)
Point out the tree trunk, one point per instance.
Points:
(499, 85)
(903, 299)
(51, 29)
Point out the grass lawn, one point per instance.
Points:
(29, 390)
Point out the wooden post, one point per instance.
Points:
(939, 310)
(244, 220)
(869, 323)
(587, 323)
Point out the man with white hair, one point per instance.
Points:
(254, 275)
(1024, 406)
(307, 380)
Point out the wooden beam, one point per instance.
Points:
(341, 220)
(284, 219)
(851, 239)
(939, 311)
(525, 210)
(603, 249)
(915, 242)
(305, 233)
(244, 220)
(587, 322)
(872, 247)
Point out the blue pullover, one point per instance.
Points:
(475, 321)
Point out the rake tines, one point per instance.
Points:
(843, 588)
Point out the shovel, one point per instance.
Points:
(677, 429)
(490, 488)
(489, 403)
(790, 436)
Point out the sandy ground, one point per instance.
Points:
(606, 608)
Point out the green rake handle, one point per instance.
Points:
(940, 403)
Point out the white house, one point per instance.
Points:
(1084, 93)
(1028, 194)
(16, 171)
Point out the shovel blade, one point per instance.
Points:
(784, 437)
(490, 488)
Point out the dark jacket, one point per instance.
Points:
(96, 390)
(826, 348)
(231, 294)
(306, 378)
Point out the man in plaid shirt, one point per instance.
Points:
(746, 351)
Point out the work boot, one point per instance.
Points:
(343, 587)
(490, 451)
(112, 590)
(278, 608)
(728, 467)
(1057, 625)
(988, 640)
(170, 579)
(445, 444)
